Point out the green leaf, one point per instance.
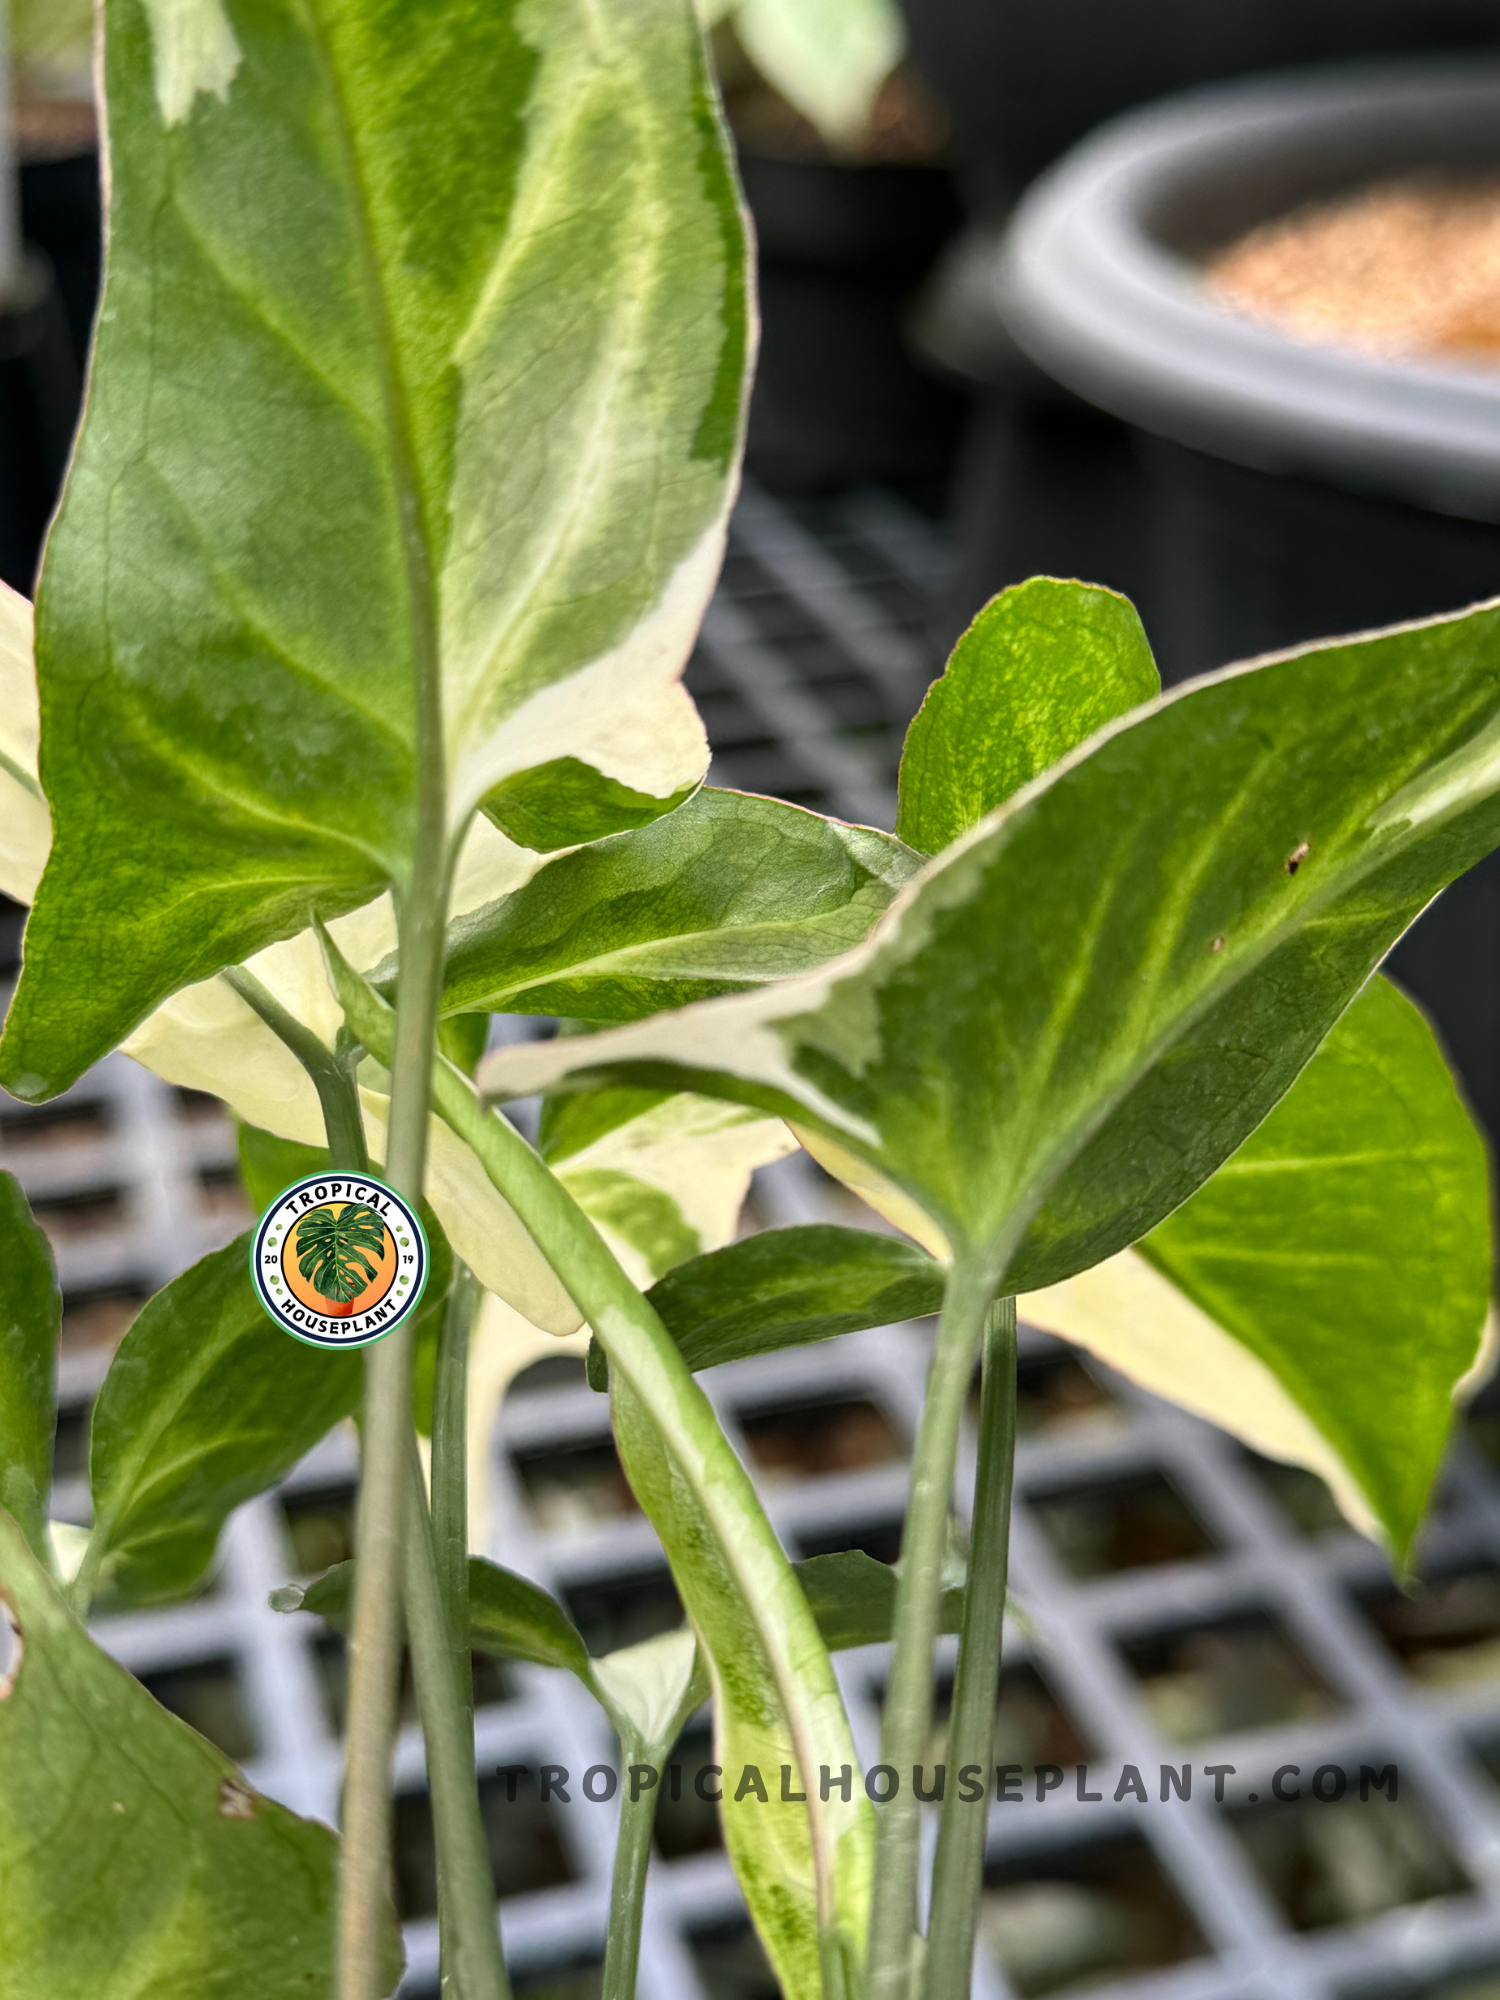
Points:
(826, 57)
(564, 802)
(206, 1404)
(1323, 1294)
(30, 1314)
(725, 893)
(136, 1859)
(1070, 1018)
(1041, 668)
(507, 1614)
(853, 1598)
(786, 1287)
(269, 1164)
(453, 402)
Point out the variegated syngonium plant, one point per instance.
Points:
(412, 428)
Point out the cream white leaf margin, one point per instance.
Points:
(1138, 1322)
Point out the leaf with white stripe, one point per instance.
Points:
(1073, 1015)
(420, 364)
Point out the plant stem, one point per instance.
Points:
(472, 1966)
(959, 1871)
(627, 1889)
(908, 1700)
(450, 1474)
(332, 1073)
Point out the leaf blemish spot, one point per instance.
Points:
(1297, 856)
(236, 1801)
(1216, 944)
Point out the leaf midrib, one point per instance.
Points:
(619, 959)
(413, 526)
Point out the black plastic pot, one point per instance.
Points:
(61, 213)
(840, 399)
(1026, 79)
(39, 387)
(1289, 490)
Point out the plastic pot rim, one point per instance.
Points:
(1088, 285)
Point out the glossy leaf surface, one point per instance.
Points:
(1343, 1251)
(30, 1314)
(136, 1859)
(1041, 668)
(853, 1598)
(786, 1287)
(507, 1614)
(368, 412)
(1074, 1015)
(206, 1404)
(728, 892)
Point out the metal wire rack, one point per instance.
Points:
(1180, 1600)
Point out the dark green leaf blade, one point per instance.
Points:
(1347, 1245)
(458, 394)
(507, 1614)
(787, 1287)
(30, 1315)
(1072, 1017)
(206, 1404)
(1043, 666)
(135, 1857)
(853, 1598)
(728, 892)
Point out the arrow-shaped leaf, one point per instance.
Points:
(206, 1404)
(135, 1857)
(725, 893)
(1070, 1018)
(453, 401)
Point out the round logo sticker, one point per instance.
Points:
(338, 1260)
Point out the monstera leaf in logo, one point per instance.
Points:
(331, 1247)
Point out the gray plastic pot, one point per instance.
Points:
(1288, 490)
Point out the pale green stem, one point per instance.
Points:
(332, 1072)
(450, 1473)
(627, 1889)
(374, 1649)
(908, 1701)
(959, 1871)
(472, 1965)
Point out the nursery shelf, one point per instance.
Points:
(1182, 1602)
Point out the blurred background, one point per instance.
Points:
(1201, 302)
